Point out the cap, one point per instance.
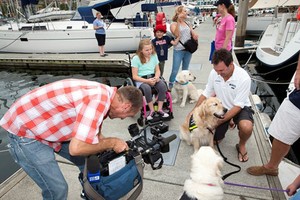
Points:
(227, 3)
(160, 27)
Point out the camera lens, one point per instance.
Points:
(133, 129)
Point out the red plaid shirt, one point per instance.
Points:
(60, 111)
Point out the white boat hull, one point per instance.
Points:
(119, 38)
(279, 45)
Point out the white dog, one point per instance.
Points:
(205, 178)
(184, 88)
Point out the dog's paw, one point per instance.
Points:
(174, 101)
(182, 105)
(192, 101)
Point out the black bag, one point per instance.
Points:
(294, 97)
(129, 179)
(191, 45)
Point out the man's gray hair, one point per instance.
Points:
(132, 95)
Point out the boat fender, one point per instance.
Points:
(298, 13)
(257, 102)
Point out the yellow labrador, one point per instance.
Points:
(184, 88)
(198, 130)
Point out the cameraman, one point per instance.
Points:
(65, 117)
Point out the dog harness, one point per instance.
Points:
(192, 124)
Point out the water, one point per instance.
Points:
(15, 84)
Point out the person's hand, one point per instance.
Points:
(119, 145)
(151, 81)
(291, 189)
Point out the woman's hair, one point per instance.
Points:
(178, 10)
(97, 13)
(139, 52)
(231, 10)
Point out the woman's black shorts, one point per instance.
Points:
(100, 39)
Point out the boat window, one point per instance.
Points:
(69, 27)
(29, 28)
(84, 27)
(39, 28)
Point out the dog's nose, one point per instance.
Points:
(225, 110)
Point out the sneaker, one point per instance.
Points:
(151, 115)
(261, 170)
(163, 114)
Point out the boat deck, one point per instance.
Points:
(167, 182)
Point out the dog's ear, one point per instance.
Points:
(202, 110)
(180, 78)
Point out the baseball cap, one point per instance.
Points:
(227, 3)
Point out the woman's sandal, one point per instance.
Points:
(239, 153)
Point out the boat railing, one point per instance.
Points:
(288, 27)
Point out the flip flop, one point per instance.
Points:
(239, 153)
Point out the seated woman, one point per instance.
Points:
(146, 73)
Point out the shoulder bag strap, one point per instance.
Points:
(140, 167)
(89, 190)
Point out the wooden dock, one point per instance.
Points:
(112, 64)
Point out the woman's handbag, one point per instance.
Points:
(294, 97)
(128, 179)
(191, 45)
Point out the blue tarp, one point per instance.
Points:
(103, 7)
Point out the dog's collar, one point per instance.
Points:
(210, 130)
(182, 83)
(192, 124)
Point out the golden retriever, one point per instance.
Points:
(205, 178)
(184, 88)
(198, 129)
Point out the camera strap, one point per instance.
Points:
(94, 195)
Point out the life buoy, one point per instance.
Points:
(161, 22)
(298, 13)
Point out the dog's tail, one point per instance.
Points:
(184, 133)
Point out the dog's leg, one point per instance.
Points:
(184, 96)
(175, 96)
(196, 144)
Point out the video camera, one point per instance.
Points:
(150, 146)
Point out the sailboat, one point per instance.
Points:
(74, 35)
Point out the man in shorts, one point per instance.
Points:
(285, 129)
(231, 84)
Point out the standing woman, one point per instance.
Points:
(180, 29)
(225, 26)
(146, 73)
(100, 27)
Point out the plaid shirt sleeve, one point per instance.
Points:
(59, 111)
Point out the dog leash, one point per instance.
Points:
(255, 187)
(225, 159)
